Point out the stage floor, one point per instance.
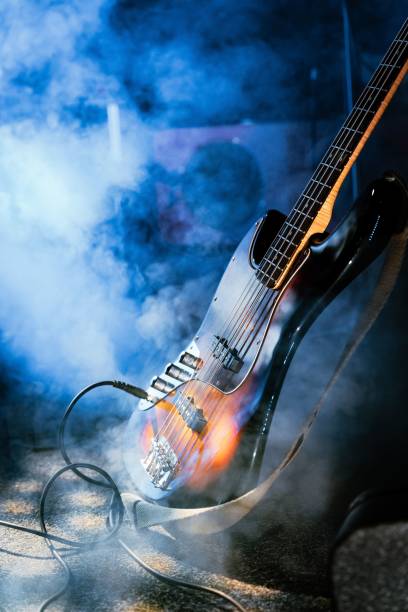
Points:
(105, 578)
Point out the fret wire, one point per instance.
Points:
(378, 71)
(321, 183)
(285, 239)
(390, 53)
(351, 130)
(298, 229)
(376, 88)
(356, 114)
(275, 265)
(386, 76)
(340, 149)
(327, 166)
(310, 198)
(301, 212)
(271, 262)
(354, 118)
(391, 65)
(370, 104)
(276, 252)
(269, 275)
(350, 145)
(272, 256)
(365, 110)
(304, 196)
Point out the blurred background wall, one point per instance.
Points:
(138, 142)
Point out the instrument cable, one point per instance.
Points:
(116, 511)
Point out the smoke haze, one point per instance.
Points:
(92, 280)
(138, 142)
(84, 291)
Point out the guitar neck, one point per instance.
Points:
(313, 210)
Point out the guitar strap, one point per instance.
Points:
(216, 518)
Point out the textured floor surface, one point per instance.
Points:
(275, 559)
(370, 569)
(105, 578)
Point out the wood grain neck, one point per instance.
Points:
(313, 210)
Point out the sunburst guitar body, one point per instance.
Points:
(201, 438)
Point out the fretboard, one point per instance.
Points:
(336, 162)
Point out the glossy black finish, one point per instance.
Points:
(335, 261)
(268, 229)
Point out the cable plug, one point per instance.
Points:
(131, 389)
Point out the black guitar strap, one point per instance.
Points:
(216, 518)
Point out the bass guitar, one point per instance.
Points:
(200, 436)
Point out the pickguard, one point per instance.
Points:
(228, 429)
(235, 334)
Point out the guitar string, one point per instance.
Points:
(347, 125)
(325, 159)
(338, 144)
(373, 100)
(262, 318)
(355, 117)
(315, 176)
(393, 62)
(360, 100)
(321, 178)
(187, 453)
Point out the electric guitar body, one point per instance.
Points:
(199, 437)
(202, 442)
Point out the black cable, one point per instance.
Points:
(116, 511)
(112, 529)
(41, 534)
(177, 581)
(67, 551)
(160, 576)
(68, 577)
(116, 499)
(171, 580)
(135, 391)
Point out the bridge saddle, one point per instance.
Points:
(161, 462)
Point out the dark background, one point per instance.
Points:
(184, 65)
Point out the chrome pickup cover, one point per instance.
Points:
(162, 385)
(180, 371)
(193, 416)
(228, 356)
(191, 361)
